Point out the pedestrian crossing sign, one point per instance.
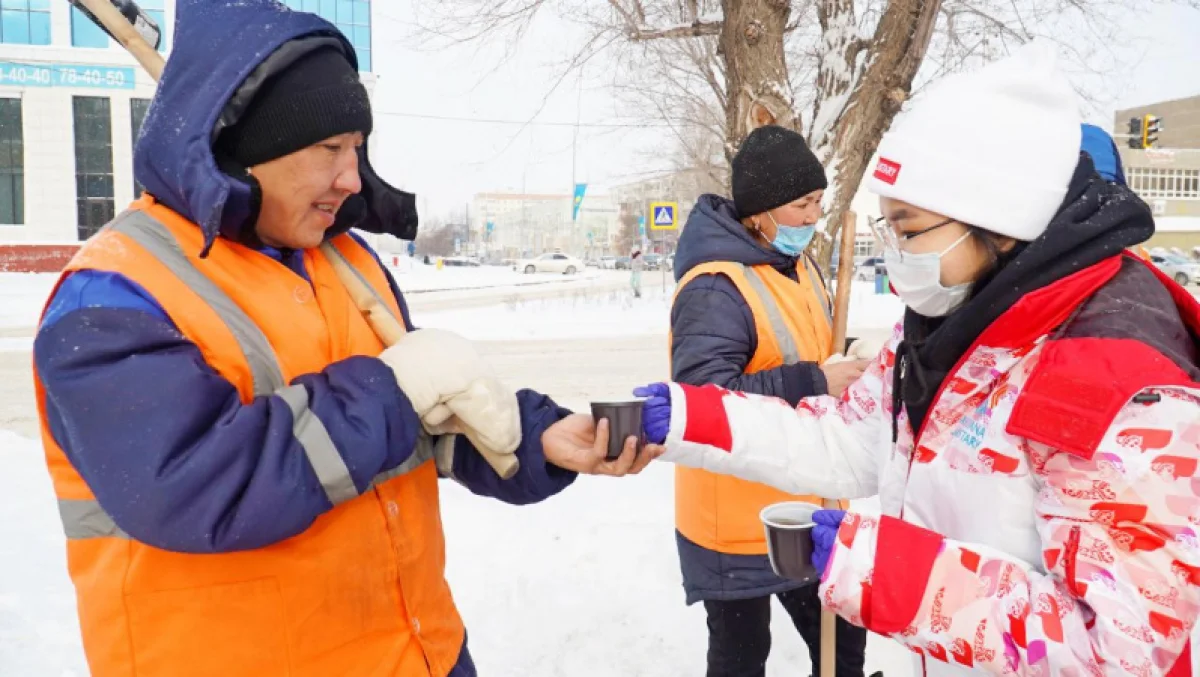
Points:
(664, 216)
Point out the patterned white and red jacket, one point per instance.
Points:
(1045, 519)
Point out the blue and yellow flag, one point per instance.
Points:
(580, 189)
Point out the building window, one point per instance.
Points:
(94, 198)
(864, 246)
(12, 163)
(137, 115)
(352, 17)
(85, 33)
(1164, 183)
(25, 22)
(156, 9)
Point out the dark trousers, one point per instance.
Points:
(739, 635)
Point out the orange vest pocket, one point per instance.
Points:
(233, 629)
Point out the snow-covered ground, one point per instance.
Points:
(603, 313)
(584, 313)
(22, 296)
(415, 277)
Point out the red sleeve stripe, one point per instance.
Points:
(904, 557)
(707, 422)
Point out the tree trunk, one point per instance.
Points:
(894, 56)
(751, 45)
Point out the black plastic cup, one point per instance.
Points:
(789, 540)
(624, 421)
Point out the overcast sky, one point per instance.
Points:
(430, 104)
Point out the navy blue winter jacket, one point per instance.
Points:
(160, 437)
(712, 327)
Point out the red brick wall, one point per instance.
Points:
(35, 258)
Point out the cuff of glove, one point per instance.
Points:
(865, 349)
(501, 434)
(802, 380)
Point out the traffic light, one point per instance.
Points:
(1151, 126)
(1135, 133)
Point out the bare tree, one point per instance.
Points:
(717, 69)
(628, 237)
(435, 239)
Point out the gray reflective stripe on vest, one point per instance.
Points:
(318, 446)
(787, 345)
(86, 519)
(421, 453)
(329, 250)
(156, 239)
(308, 430)
(819, 290)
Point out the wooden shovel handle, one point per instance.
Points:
(390, 331)
(845, 280)
(841, 320)
(127, 35)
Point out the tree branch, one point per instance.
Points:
(631, 21)
(695, 30)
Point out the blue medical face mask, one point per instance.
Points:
(791, 240)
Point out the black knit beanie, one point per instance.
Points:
(773, 167)
(316, 97)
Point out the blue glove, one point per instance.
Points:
(824, 536)
(656, 412)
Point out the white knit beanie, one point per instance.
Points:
(995, 148)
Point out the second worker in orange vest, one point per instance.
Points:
(752, 314)
(239, 464)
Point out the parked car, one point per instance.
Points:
(866, 269)
(460, 262)
(654, 261)
(608, 262)
(622, 263)
(550, 263)
(1185, 271)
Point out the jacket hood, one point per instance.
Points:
(1103, 151)
(714, 233)
(224, 51)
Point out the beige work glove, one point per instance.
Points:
(454, 391)
(861, 349)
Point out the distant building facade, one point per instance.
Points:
(1167, 177)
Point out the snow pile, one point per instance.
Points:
(39, 631)
(414, 277)
(584, 314)
(22, 296)
(608, 313)
(869, 310)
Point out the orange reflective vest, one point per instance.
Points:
(362, 591)
(793, 323)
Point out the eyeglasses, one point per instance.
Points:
(890, 240)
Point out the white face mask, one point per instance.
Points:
(918, 280)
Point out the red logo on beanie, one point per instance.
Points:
(887, 171)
